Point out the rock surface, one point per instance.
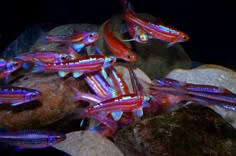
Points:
(194, 130)
(26, 40)
(84, 143)
(56, 102)
(210, 75)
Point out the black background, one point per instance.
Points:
(210, 24)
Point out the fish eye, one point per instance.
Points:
(34, 94)
(91, 35)
(15, 63)
(63, 57)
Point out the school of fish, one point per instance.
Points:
(112, 103)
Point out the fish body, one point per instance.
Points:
(158, 30)
(18, 95)
(136, 32)
(118, 48)
(46, 56)
(8, 66)
(31, 138)
(77, 37)
(85, 64)
(171, 92)
(77, 40)
(99, 85)
(118, 105)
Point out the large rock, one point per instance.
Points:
(56, 102)
(84, 143)
(214, 75)
(194, 130)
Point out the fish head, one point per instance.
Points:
(182, 37)
(142, 38)
(91, 37)
(54, 139)
(33, 95)
(109, 61)
(14, 64)
(64, 57)
(129, 56)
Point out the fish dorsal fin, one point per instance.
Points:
(159, 21)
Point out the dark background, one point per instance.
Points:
(210, 24)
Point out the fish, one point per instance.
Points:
(8, 66)
(18, 95)
(78, 40)
(117, 48)
(173, 91)
(46, 56)
(158, 29)
(84, 64)
(99, 85)
(31, 139)
(117, 105)
(136, 32)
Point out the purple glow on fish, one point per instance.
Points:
(206, 88)
(99, 85)
(18, 95)
(123, 103)
(164, 28)
(31, 138)
(88, 97)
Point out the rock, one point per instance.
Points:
(194, 130)
(154, 57)
(214, 75)
(56, 102)
(83, 143)
(25, 41)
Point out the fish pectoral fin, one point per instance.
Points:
(78, 46)
(138, 112)
(62, 73)
(116, 115)
(17, 104)
(128, 40)
(168, 45)
(77, 74)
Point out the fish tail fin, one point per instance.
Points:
(127, 6)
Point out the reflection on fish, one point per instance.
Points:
(18, 95)
(8, 66)
(31, 138)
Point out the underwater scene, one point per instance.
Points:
(128, 85)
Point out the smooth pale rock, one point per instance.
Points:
(214, 75)
(194, 130)
(84, 143)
